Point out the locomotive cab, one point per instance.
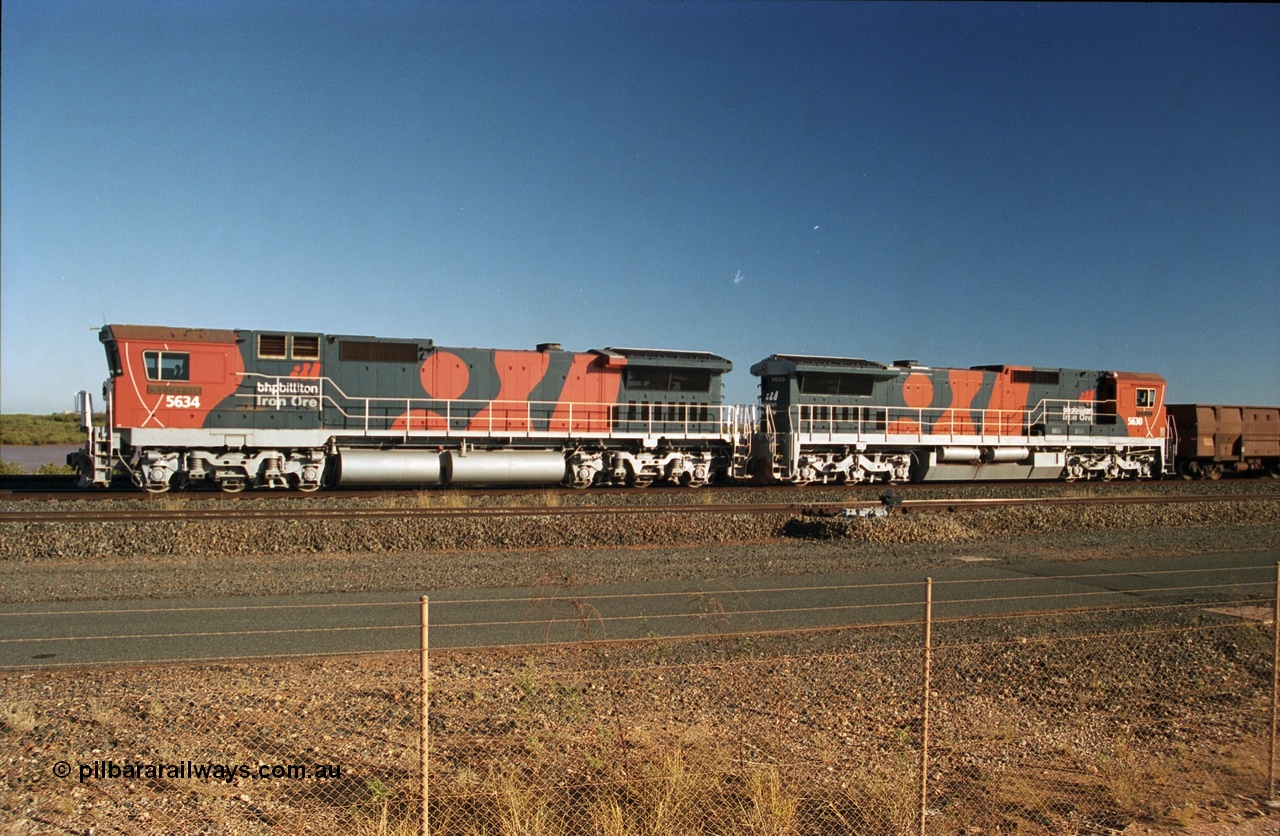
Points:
(1134, 403)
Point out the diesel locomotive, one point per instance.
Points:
(274, 409)
(838, 419)
(303, 410)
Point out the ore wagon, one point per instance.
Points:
(1213, 439)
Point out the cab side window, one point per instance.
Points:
(167, 365)
(1146, 398)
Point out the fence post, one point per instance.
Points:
(928, 677)
(1275, 690)
(426, 726)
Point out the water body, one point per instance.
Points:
(31, 457)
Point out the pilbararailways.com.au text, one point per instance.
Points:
(196, 770)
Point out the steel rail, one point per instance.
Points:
(35, 489)
(829, 509)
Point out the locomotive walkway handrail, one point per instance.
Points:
(432, 417)
(882, 424)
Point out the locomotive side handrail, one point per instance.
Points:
(456, 418)
(836, 423)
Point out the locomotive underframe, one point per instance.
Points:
(859, 462)
(157, 460)
(825, 452)
(1208, 468)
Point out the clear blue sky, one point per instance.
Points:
(1091, 186)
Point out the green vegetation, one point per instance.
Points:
(8, 468)
(20, 430)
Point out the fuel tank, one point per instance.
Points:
(504, 467)
(389, 467)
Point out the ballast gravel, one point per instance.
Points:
(173, 558)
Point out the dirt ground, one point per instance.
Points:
(1111, 722)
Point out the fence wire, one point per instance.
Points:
(1079, 722)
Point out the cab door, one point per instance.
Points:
(1139, 405)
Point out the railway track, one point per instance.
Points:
(55, 489)
(64, 489)
(890, 504)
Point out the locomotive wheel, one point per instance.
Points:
(637, 480)
(152, 487)
(308, 487)
(231, 485)
(1213, 472)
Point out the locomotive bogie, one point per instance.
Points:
(157, 470)
(589, 468)
(678, 467)
(846, 467)
(1124, 464)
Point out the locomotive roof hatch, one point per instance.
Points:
(1004, 367)
(1142, 377)
(669, 357)
(165, 333)
(788, 364)
(425, 344)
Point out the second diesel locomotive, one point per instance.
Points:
(838, 419)
(305, 410)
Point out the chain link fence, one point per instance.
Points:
(1070, 722)
(1088, 722)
